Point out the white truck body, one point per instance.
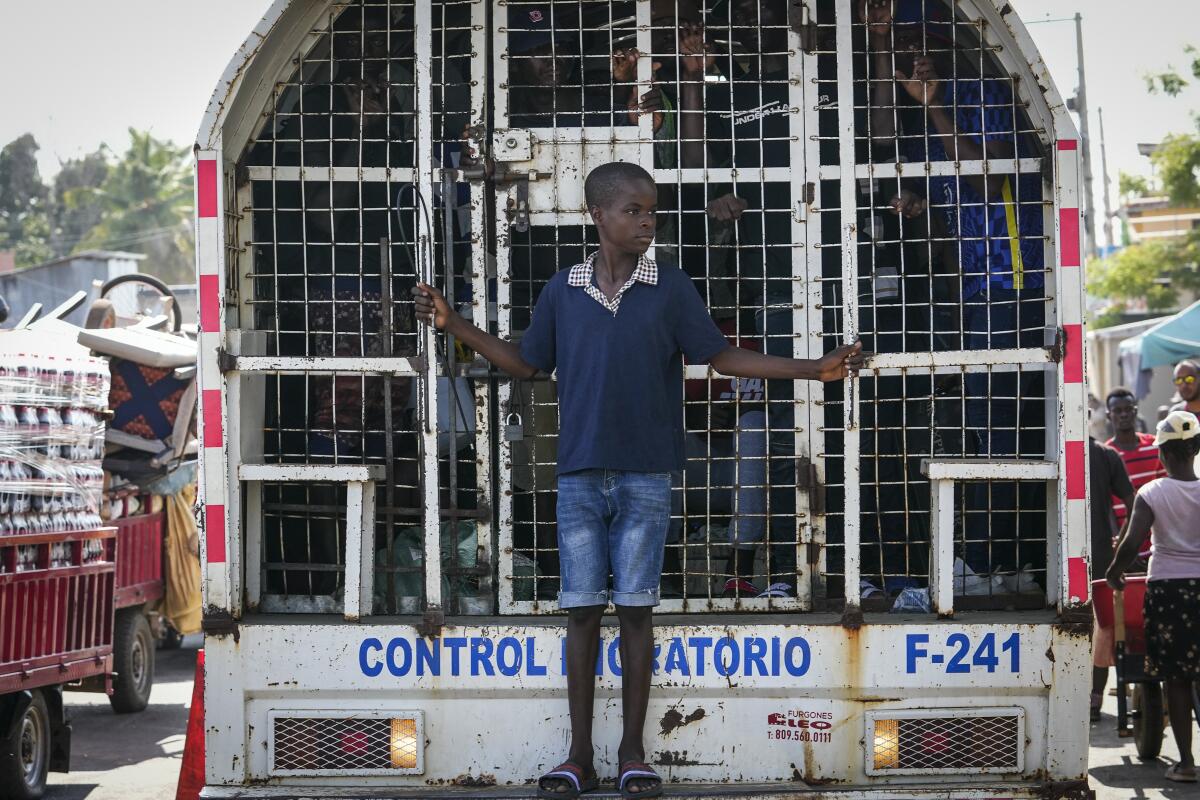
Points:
(356, 686)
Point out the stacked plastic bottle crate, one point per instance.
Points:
(57, 559)
(51, 446)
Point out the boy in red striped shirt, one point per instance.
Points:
(1137, 450)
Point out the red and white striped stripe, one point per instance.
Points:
(1072, 376)
(210, 256)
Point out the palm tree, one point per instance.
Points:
(145, 204)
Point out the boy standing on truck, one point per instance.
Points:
(614, 329)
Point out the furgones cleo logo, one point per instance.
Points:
(815, 720)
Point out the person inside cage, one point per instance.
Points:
(936, 96)
(1166, 510)
(950, 109)
(725, 480)
(614, 329)
(561, 66)
(735, 239)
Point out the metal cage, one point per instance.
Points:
(813, 197)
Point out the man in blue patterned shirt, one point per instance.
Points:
(995, 217)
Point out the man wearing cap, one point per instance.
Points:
(1167, 509)
(545, 81)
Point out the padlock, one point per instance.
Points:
(514, 431)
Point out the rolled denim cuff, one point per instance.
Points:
(582, 599)
(648, 597)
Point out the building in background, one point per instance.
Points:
(1153, 217)
(56, 281)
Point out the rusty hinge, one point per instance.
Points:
(219, 622)
(810, 193)
(800, 20)
(431, 624)
(226, 361)
(814, 552)
(1058, 350)
(852, 618)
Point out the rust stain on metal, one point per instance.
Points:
(1050, 654)
(219, 622)
(673, 719)
(1075, 621)
(852, 618)
(1067, 790)
(677, 758)
(475, 781)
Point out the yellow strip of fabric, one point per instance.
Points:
(1014, 235)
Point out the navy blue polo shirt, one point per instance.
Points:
(620, 364)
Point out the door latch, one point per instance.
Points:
(800, 21)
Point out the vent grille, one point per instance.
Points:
(984, 740)
(308, 743)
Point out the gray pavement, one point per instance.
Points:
(137, 756)
(130, 756)
(1118, 774)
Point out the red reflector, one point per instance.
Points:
(355, 741)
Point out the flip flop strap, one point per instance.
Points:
(567, 771)
(637, 770)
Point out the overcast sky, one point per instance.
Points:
(77, 73)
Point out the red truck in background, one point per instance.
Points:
(81, 573)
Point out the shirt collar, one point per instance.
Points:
(646, 272)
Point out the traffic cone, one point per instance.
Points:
(191, 771)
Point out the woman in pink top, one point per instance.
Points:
(1171, 507)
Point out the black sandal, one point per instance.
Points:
(573, 774)
(636, 769)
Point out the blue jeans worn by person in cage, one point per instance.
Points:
(728, 480)
(612, 522)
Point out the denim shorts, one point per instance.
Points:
(612, 522)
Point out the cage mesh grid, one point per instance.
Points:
(353, 744)
(947, 743)
(951, 212)
(333, 172)
(741, 267)
(335, 209)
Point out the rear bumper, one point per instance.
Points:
(1074, 790)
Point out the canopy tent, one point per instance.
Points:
(1169, 342)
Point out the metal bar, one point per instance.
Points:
(329, 364)
(331, 174)
(352, 594)
(849, 229)
(389, 444)
(983, 469)
(920, 169)
(480, 282)
(323, 473)
(428, 409)
(806, 318)
(941, 547)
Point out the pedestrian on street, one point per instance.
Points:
(1187, 384)
(1170, 507)
(1137, 449)
(1109, 481)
